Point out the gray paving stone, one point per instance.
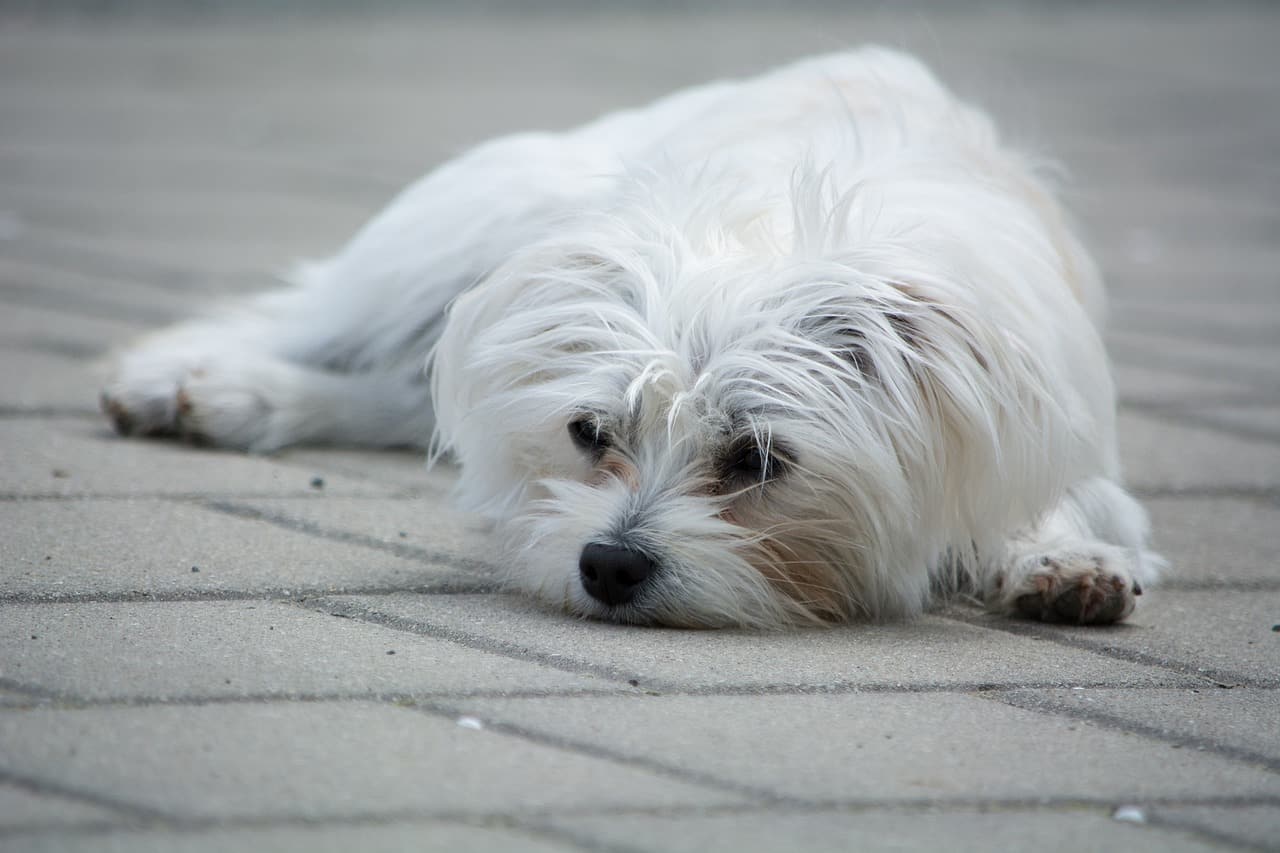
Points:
(1241, 719)
(94, 293)
(881, 747)
(94, 461)
(23, 808)
(175, 174)
(1258, 826)
(394, 467)
(1249, 421)
(1141, 385)
(1254, 363)
(17, 699)
(320, 760)
(421, 837)
(816, 832)
(1226, 635)
(121, 547)
(213, 649)
(932, 651)
(1257, 322)
(1160, 455)
(254, 217)
(27, 326)
(426, 523)
(34, 380)
(1224, 540)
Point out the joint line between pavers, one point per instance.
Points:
(1212, 675)
(46, 787)
(72, 702)
(1265, 495)
(1117, 723)
(352, 610)
(28, 691)
(451, 584)
(575, 838)
(705, 780)
(410, 552)
(1221, 585)
(64, 412)
(518, 817)
(42, 697)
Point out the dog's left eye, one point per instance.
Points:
(587, 434)
(748, 462)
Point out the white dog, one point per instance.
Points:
(806, 347)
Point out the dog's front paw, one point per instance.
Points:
(227, 402)
(1091, 586)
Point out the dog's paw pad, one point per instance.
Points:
(1077, 589)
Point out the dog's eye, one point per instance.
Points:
(749, 463)
(587, 434)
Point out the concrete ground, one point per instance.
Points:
(206, 651)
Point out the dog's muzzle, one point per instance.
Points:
(612, 574)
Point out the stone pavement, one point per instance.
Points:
(206, 651)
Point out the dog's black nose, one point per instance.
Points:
(612, 574)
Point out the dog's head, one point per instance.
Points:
(693, 425)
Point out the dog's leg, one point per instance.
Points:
(244, 380)
(1083, 563)
(340, 357)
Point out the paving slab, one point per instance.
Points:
(1241, 722)
(1140, 385)
(20, 807)
(1251, 421)
(94, 293)
(31, 327)
(407, 468)
(1159, 455)
(87, 548)
(1235, 362)
(1215, 319)
(1226, 635)
(898, 830)
(931, 652)
(200, 650)
(79, 456)
(1217, 542)
(318, 760)
(395, 837)
(426, 525)
(251, 217)
(1254, 826)
(881, 747)
(35, 381)
(425, 836)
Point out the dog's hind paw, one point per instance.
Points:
(1092, 586)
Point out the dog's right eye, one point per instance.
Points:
(587, 434)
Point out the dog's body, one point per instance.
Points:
(800, 348)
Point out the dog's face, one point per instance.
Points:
(742, 441)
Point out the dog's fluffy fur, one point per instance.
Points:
(816, 345)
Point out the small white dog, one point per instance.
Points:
(802, 348)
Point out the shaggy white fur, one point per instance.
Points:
(806, 347)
